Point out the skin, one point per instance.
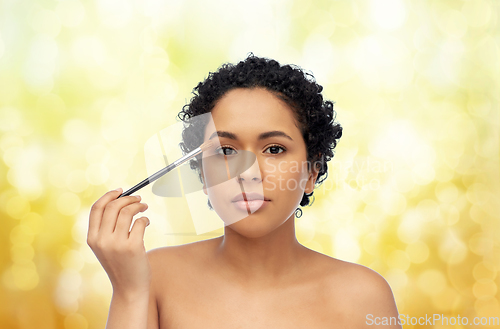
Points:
(257, 275)
(121, 252)
(244, 249)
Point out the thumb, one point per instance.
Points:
(139, 228)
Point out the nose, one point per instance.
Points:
(251, 174)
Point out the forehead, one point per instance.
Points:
(251, 111)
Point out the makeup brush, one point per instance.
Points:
(203, 147)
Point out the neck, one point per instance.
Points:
(264, 260)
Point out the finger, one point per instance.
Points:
(97, 211)
(125, 218)
(111, 212)
(138, 229)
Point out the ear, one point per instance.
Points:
(313, 176)
(311, 181)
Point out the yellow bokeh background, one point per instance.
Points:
(412, 192)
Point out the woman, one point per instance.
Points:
(257, 275)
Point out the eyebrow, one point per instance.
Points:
(267, 134)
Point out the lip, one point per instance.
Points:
(249, 197)
(251, 206)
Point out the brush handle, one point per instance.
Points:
(162, 172)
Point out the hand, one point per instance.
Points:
(121, 253)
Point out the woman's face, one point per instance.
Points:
(279, 171)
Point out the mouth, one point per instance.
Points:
(253, 203)
(249, 197)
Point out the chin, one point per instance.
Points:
(253, 228)
(252, 234)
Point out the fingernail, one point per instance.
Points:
(148, 223)
(119, 190)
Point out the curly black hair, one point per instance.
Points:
(297, 88)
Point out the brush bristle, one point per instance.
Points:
(207, 145)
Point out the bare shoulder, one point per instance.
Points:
(170, 252)
(361, 278)
(162, 256)
(339, 271)
(363, 293)
(169, 256)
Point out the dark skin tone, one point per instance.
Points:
(257, 275)
(263, 246)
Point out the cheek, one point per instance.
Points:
(286, 177)
(294, 182)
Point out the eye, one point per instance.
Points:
(224, 148)
(272, 147)
(276, 147)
